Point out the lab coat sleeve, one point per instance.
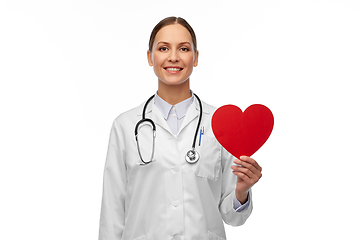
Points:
(228, 213)
(238, 207)
(112, 217)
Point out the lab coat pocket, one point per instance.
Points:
(213, 236)
(209, 164)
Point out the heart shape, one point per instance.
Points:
(242, 133)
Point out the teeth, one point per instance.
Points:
(173, 69)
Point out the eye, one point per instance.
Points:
(163, 49)
(184, 49)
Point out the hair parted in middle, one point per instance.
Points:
(169, 21)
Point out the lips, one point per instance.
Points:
(173, 69)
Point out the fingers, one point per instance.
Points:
(245, 174)
(248, 168)
(250, 161)
(245, 181)
(248, 172)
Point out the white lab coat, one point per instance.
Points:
(168, 198)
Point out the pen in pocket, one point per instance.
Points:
(202, 131)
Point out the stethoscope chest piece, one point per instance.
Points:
(192, 156)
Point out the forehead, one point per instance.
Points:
(173, 33)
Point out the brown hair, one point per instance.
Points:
(168, 21)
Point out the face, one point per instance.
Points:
(173, 56)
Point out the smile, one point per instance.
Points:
(173, 69)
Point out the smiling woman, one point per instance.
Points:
(179, 193)
(173, 56)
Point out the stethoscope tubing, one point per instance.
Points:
(198, 125)
(192, 156)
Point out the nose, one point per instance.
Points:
(173, 56)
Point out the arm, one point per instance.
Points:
(112, 217)
(237, 183)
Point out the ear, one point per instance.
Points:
(196, 58)
(149, 58)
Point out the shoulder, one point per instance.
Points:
(129, 116)
(208, 109)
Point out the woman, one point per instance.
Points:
(157, 194)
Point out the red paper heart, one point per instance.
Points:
(242, 133)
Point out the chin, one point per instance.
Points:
(174, 82)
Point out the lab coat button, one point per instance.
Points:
(176, 203)
(176, 169)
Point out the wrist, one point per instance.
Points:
(242, 197)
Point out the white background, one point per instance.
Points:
(68, 68)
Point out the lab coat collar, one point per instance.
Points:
(180, 108)
(150, 106)
(154, 113)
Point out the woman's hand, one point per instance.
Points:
(247, 174)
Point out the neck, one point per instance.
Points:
(174, 94)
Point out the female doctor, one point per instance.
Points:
(173, 180)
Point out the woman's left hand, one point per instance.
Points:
(247, 174)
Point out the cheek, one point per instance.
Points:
(189, 61)
(158, 59)
(191, 58)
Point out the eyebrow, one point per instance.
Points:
(169, 43)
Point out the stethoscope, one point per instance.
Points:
(191, 156)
